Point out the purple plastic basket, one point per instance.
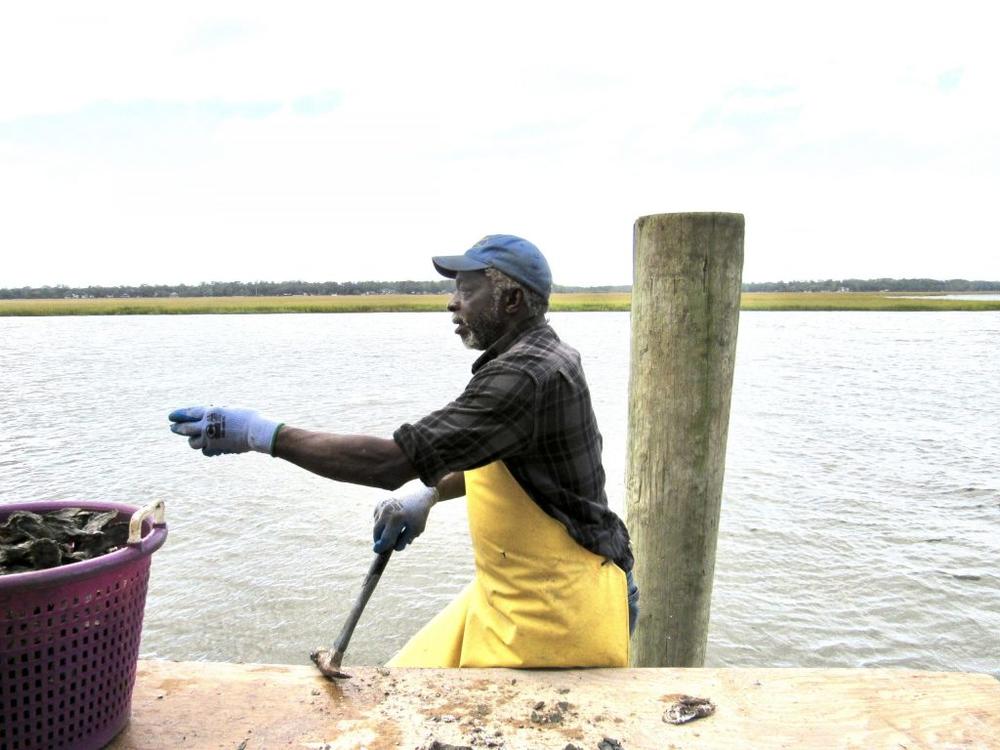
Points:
(69, 640)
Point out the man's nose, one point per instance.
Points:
(453, 303)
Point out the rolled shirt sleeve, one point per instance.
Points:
(493, 418)
(528, 404)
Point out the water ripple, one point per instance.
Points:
(860, 510)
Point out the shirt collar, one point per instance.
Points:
(506, 341)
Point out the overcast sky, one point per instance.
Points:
(187, 142)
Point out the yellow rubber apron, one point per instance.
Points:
(539, 599)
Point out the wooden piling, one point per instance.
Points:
(685, 312)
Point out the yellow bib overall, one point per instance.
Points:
(539, 599)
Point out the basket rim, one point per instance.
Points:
(75, 571)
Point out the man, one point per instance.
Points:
(553, 563)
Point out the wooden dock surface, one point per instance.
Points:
(255, 706)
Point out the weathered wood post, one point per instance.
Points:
(685, 312)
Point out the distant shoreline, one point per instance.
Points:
(560, 302)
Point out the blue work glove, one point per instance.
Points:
(216, 430)
(400, 520)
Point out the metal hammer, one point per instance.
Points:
(327, 661)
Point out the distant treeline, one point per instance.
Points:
(259, 289)
(442, 286)
(233, 289)
(875, 285)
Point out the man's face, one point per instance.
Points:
(475, 310)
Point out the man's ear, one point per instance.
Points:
(514, 301)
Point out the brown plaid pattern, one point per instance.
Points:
(528, 404)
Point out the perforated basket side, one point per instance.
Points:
(68, 660)
(69, 642)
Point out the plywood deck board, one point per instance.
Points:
(246, 707)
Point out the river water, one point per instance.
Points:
(861, 511)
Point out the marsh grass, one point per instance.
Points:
(584, 302)
(226, 305)
(246, 305)
(792, 301)
(575, 302)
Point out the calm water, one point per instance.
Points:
(861, 512)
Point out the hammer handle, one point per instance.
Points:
(374, 573)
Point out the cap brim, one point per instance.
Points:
(449, 265)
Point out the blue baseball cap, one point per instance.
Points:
(514, 256)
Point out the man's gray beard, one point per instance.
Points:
(483, 332)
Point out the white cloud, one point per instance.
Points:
(325, 141)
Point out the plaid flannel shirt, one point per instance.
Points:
(528, 405)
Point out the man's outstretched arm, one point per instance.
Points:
(358, 459)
